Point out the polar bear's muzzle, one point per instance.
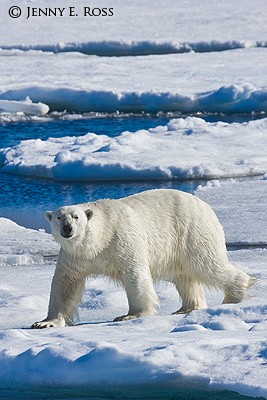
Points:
(66, 231)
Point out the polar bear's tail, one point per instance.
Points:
(237, 289)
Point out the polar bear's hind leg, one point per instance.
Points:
(192, 294)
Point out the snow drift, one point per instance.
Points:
(121, 48)
(227, 99)
(180, 150)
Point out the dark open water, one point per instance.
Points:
(123, 393)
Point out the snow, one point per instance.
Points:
(221, 347)
(132, 21)
(26, 107)
(147, 58)
(21, 246)
(140, 48)
(205, 67)
(180, 150)
(191, 82)
(203, 79)
(242, 210)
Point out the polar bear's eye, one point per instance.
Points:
(58, 218)
(76, 217)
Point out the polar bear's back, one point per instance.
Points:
(169, 205)
(162, 210)
(172, 225)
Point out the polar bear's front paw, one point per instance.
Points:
(51, 323)
(125, 317)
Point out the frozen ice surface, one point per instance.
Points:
(187, 148)
(188, 67)
(208, 57)
(222, 347)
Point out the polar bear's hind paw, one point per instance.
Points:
(125, 318)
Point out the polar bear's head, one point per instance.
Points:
(68, 222)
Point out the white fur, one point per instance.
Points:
(158, 234)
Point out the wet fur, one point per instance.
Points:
(154, 235)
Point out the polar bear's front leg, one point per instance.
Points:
(49, 323)
(66, 293)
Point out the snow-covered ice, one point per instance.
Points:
(25, 107)
(184, 149)
(221, 347)
(155, 57)
(201, 61)
(179, 83)
(251, 206)
(183, 22)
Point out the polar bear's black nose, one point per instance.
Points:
(66, 230)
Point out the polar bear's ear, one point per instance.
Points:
(48, 215)
(89, 214)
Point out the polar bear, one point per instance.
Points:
(158, 234)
